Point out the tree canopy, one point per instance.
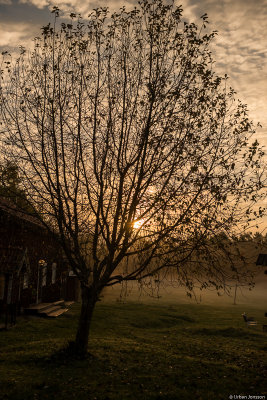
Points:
(131, 146)
(11, 187)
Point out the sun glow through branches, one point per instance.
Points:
(138, 224)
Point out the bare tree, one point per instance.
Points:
(130, 147)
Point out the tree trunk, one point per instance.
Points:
(89, 299)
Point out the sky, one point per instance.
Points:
(240, 48)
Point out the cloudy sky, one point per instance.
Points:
(240, 49)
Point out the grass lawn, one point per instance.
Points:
(138, 351)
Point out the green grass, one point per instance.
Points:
(138, 351)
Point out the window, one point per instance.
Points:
(25, 280)
(54, 272)
(9, 289)
(2, 286)
(44, 274)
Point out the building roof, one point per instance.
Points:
(12, 209)
(12, 259)
(262, 259)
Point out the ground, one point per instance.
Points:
(138, 351)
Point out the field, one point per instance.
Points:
(138, 351)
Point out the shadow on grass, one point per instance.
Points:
(63, 356)
(67, 355)
(228, 332)
(164, 321)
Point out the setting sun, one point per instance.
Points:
(137, 224)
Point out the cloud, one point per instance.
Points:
(37, 3)
(239, 49)
(13, 36)
(82, 7)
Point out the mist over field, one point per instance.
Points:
(177, 295)
(169, 293)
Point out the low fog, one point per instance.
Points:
(177, 295)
